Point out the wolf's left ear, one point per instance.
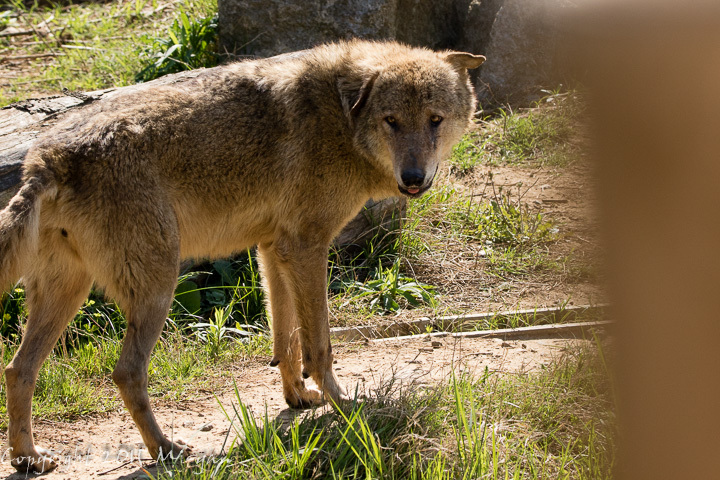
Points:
(354, 94)
(464, 61)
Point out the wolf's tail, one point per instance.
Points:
(19, 229)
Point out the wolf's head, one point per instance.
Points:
(409, 111)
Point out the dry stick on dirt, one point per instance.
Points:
(17, 33)
(30, 57)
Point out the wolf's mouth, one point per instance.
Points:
(414, 192)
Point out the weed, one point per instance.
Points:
(189, 45)
(205, 287)
(544, 135)
(389, 287)
(506, 222)
(215, 333)
(469, 153)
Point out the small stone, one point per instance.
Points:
(436, 344)
(206, 427)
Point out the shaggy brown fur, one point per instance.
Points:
(278, 153)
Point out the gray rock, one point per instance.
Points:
(376, 219)
(477, 22)
(430, 23)
(519, 37)
(522, 51)
(271, 27)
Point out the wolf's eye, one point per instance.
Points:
(391, 121)
(435, 120)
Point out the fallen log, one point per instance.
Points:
(22, 123)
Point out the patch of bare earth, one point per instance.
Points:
(563, 195)
(109, 446)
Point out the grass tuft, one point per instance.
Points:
(551, 424)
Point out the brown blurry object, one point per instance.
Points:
(653, 72)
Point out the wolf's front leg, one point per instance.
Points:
(285, 329)
(306, 268)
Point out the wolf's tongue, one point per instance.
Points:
(413, 190)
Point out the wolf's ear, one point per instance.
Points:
(354, 94)
(462, 60)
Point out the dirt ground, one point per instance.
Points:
(564, 195)
(108, 446)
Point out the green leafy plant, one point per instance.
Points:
(12, 311)
(389, 287)
(205, 287)
(215, 332)
(189, 45)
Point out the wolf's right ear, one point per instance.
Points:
(462, 60)
(354, 94)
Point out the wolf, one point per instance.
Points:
(279, 153)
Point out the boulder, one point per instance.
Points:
(477, 22)
(522, 51)
(427, 23)
(271, 27)
(519, 37)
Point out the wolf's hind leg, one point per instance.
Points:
(56, 289)
(286, 334)
(147, 270)
(146, 318)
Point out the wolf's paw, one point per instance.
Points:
(333, 390)
(39, 461)
(172, 451)
(305, 398)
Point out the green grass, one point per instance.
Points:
(552, 424)
(545, 135)
(79, 382)
(514, 237)
(88, 45)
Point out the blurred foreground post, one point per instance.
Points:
(653, 70)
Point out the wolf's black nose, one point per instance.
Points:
(413, 177)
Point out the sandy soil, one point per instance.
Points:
(109, 446)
